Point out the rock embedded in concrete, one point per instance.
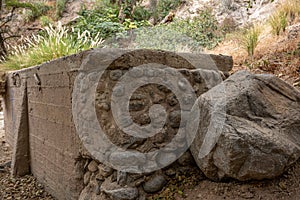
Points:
(86, 177)
(93, 166)
(155, 184)
(260, 134)
(117, 192)
(104, 170)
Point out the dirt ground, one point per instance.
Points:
(16, 188)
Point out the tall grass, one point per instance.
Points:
(284, 15)
(250, 39)
(56, 42)
(278, 22)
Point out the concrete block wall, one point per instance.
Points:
(46, 124)
(53, 142)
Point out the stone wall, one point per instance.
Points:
(39, 122)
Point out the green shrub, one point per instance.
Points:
(163, 8)
(180, 35)
(204, 29)
(35, 9)
(53, 43)
(45, 20)
(140, 13)
(105, 22)
(60, 7)
(250, 39)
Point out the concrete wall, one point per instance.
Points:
(53, 142)
(39, 123)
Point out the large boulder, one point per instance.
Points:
(249, 128)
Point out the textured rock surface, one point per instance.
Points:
(114, 191)
(260, 134)
(239, 11)
(155, 184)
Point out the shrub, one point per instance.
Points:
(35, 9)
(163, 8)
(60, 7)
(45, 20)
(164, 38)
(250, 39)
(203, 29)
(140, 13)
(53, 43)
(189, 35)
(105, 22)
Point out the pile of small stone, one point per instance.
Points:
(25, 187)
(103, 182)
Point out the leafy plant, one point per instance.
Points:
(163, 8)
(35, 9)
(105, 22)
(190, 35)
(203, 29)
(250, 39)
(140, 13)
(54, 43)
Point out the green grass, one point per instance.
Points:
(53, 43)
(250, 39)
(285, 14)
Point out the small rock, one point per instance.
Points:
(121, 178)
(93, 166)
(172, 100)
(185, 159)
(155, 184)
(247, 195)
(117, 192)
(174, 119)
(170, 172)
(115, 75)
(104, 170)
(86, 177)
(136, 105)
(104, 106)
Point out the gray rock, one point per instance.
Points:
(117, 192)
(104, 170)
(258, 134)
(186, 159)
(136, 105)
(86, 177)
(93, 166)
(294, 31)
(115, 75)
(121, 178)
(155, 184)
(174, 119)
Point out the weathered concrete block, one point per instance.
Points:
(57, 149)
